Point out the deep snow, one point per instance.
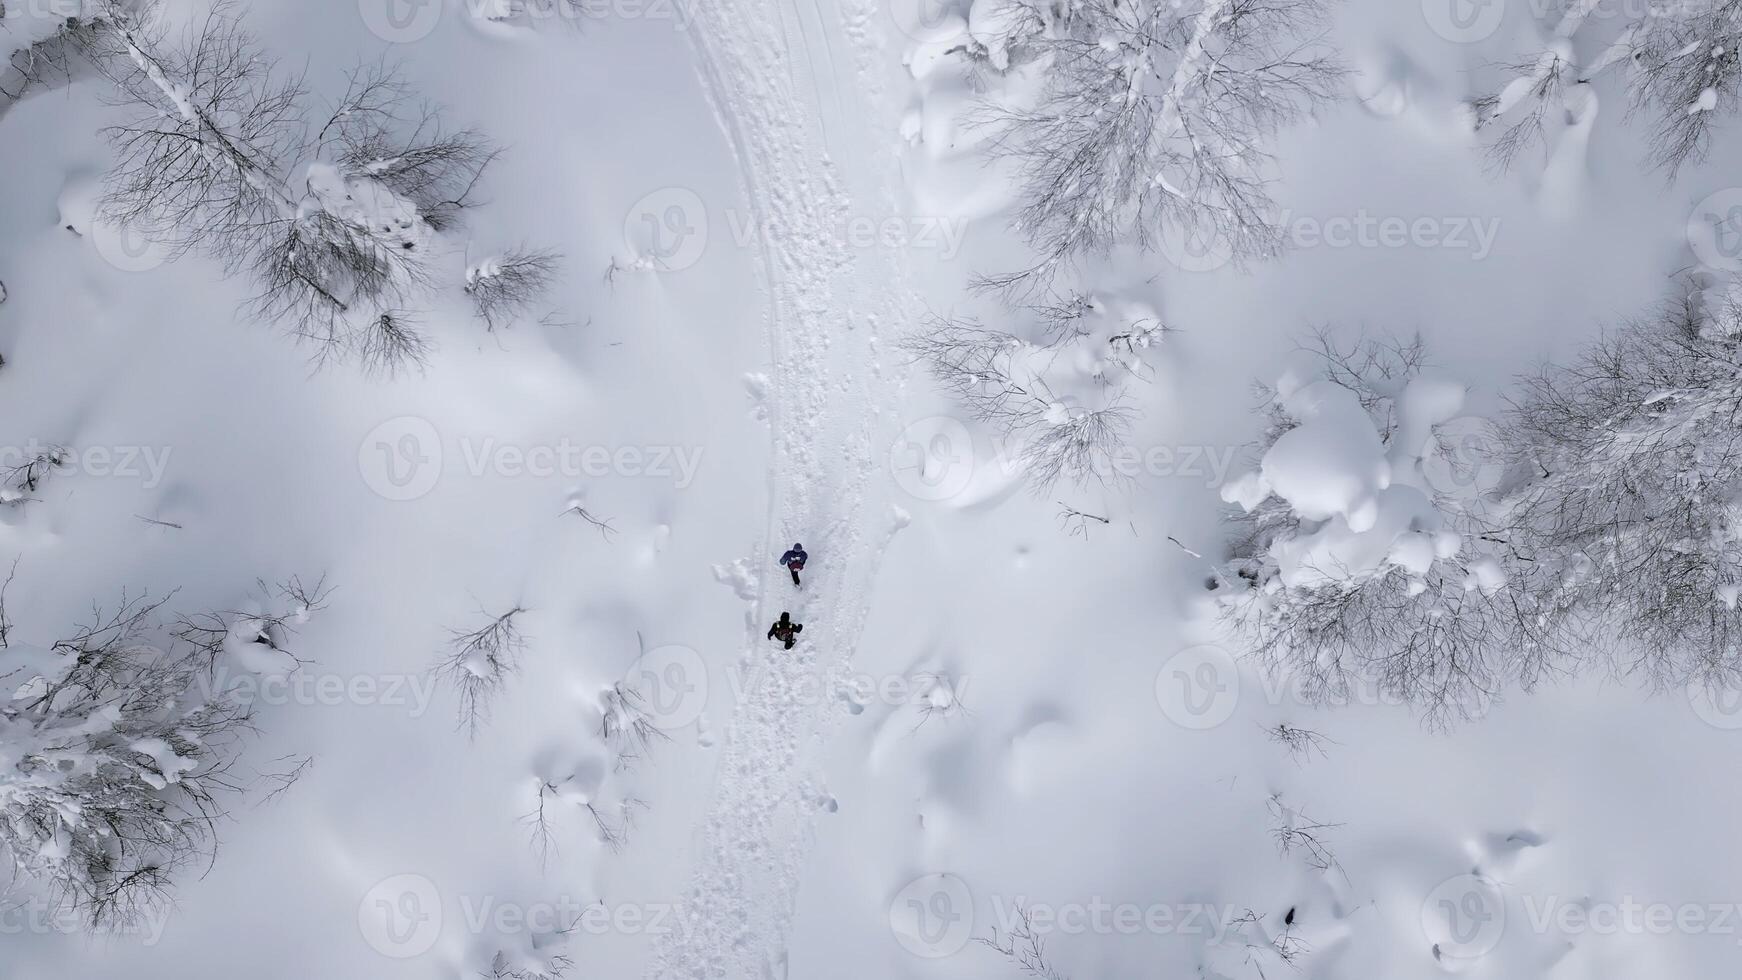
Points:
(986, 709)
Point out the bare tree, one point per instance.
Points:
(332, 214)
(1441, 632)
(1295, 832)
(1301, 743)
(1687, 76)
(1682, 59)
(505, 287)
(392, 343)
(19, 481)
(602, 524)
(1004, 381)
(1153, 119)
(48, 53)
(1076, 522)
(478, 663)
(625, 723)
(1024, 946)
(278, 611)
(1621, 458)
(121, 759)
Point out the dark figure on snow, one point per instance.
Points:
(785, 630)
(794, 560)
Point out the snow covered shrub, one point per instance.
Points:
(1151, 117)
(19, 481)
(1349, 571)
(1682, 63)
(115, 759)
(1061, 397)
(45, 44)
(478, 663)
(333, 214)
(1685, 56)
(504, 287)
(1628, 462)
(527, 954)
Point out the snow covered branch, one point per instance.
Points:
(1063, 399)
(119, 756)
(1153, 119)
(479, 662)
(1349, 571)
(333, 216)
(1624, 456)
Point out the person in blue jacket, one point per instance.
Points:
(794, 560)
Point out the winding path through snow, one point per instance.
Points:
(791, 108)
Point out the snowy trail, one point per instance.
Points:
(827, 401)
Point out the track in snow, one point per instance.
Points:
(826, 402)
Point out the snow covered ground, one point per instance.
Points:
(992, 708)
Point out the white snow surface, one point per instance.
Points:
(984, 710)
